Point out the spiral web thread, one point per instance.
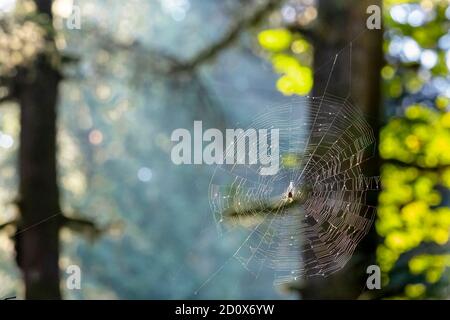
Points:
(328, 141)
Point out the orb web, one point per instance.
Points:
(307, 219)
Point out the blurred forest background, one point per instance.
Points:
(86, 116)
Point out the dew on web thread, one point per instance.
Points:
(307, 219)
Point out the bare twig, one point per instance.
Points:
(81, 225)
(166, 63)
(252, 213)
(229, 37)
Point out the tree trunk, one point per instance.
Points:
(37, 239)
(341, 23)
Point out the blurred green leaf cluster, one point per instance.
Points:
(413, 216)
(289, 54)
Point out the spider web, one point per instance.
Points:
(308, 218)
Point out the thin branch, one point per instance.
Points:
(229, 37)
(158, 61)
(251, 214)
(165, 63)
(81, 225)
(415, 165)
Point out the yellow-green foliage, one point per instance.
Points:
(409, 214)
(275, 39)
(285, 50)
(422, 137)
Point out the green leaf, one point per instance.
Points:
(275, 40)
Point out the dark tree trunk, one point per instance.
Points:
(339, 24)
(37, 239)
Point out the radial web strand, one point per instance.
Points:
(306, 219)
